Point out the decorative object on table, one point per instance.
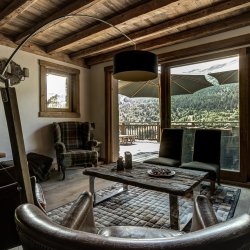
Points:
(120, 165)
(128, 160)
(161, 172)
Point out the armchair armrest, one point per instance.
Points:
(80, 216)
(60, 147)
(91, 144)
(39, 199)
(203, 214)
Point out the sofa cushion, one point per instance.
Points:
(80, 157)
(211, 168)
(164, 161)
(138, 232)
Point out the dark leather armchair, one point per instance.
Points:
(206, 155)
(74, 145)
(78, 231)
(170, 148)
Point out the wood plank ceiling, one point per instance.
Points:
(84, 41)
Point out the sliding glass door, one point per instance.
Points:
(206, 94)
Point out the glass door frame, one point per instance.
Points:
(244, 105)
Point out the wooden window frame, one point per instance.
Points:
(74, 109)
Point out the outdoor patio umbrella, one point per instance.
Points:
(226, 77)
(180, 85)
(188, 84)
(139, 89)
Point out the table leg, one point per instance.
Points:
(196, 190)
(92, 187)
(125, 187)
(174, 212)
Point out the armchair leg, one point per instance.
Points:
(63, 173)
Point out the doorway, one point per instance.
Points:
(139, 118)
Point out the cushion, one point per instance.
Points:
(138, 232)
(80, 157)
(164, 161)
(71, 135)
(212, 169)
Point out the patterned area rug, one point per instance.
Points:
(149, 208)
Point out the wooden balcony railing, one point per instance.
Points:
(141, 131)
(151, 131)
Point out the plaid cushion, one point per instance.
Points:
(79, 157)
(74, 134)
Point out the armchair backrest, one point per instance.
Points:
(171, 143)
(74, 135)
(207, 145)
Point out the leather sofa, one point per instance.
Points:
(78, 231)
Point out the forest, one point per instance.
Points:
(218, 103)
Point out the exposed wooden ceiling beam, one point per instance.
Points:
(74, 7)
(35, 49)
(218, 9)
(191, 34)
(217, 46)
(115, 20)
(14, 9)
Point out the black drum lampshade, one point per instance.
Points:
(135, 65)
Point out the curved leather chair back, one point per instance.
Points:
(37, 231)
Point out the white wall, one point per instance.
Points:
(37, 131)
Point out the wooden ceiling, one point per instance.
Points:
(85, 41)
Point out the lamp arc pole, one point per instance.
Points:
(127, 66)
(54, 20)
(10, 103)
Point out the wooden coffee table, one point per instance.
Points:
(183, 183)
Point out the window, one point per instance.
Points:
(206, 95)
(59, 90)
(229, 76)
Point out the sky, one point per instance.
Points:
(219, 65)
(58, 86)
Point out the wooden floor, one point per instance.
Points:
(59, 192)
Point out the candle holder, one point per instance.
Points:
(120, 165)
(128, 160)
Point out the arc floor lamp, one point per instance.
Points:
(133, 65)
